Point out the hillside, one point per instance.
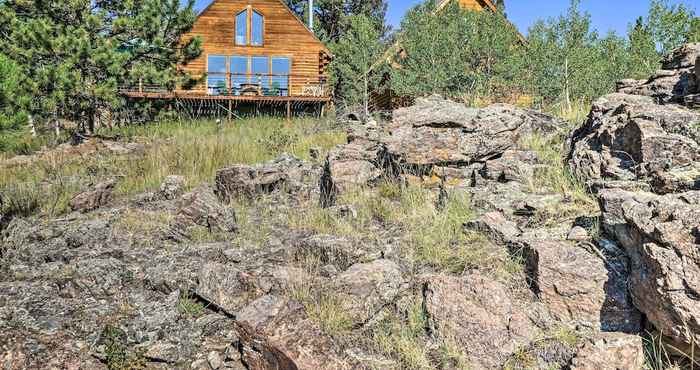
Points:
(449, 237)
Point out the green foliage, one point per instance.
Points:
(189, 306)
(356, 52)
(644, 58)
(330, 16)
(456, 52)
(76, 53)
(13, 97)
(671, 25)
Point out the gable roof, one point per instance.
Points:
(286, 7)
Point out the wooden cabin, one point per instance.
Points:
(253, 51)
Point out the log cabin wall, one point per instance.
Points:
(284, 35)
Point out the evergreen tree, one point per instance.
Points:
(14, 99)
(77, 52)
(330, 15)
(455, 52)
(356, 52)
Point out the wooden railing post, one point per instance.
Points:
(140, 84)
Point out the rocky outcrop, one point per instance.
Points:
(285, 172)
(201, 207)
(366, 288)
(172, 187)
(98, 196)
(483, 316)
(660, 236)
(629, 139)
(610, 351)
(276, 333)
(632, 141)
(347, 166)
(580, 287)
(438, 132)
(671, 84)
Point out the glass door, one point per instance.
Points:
(216, 75)
(281, 68)
(239, 73)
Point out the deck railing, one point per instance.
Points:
(234, 84)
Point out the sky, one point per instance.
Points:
(606, 15)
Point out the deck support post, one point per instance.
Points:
(289, 111)
(230, 109)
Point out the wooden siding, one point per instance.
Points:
(284, 35)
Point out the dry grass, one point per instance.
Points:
(195, 150)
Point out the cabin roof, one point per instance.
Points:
(325, 48)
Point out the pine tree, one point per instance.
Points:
(77, 52)
(330, 15)
(456, 52)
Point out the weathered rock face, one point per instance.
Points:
(285, 172)
(631, 139)
(201, 207)
(94, 198)
(660, 235)
(366, 288)
(610, 351)
(276, 333)
(579, 287)
(481, 314)
(435, 131)
(172, 187)
(347, 166)
(673, 82)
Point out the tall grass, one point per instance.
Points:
(195, 150)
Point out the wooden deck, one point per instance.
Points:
(236, 98)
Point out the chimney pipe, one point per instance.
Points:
(311, 15)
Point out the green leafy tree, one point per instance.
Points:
(331, 15)
(563, 57)
(78, 52)
(644, 58)
(455, 52)
(356, 52)
(671, 25)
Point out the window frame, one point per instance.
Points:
(249, 10)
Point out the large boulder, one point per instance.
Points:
(580, 287)
(366, 288)
(96, 197)
(485, 318)
(348, 166)
(676, 80)
(633, 140)
(202, 208)
(661, 236)
(285, 172)
(610, 351)
(276, 333)
(436, 131)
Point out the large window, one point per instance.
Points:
(242, 28)
(216, 74)
(260, 71)
(239, 72)
(266, 75)
(250, 28)
(280, 75)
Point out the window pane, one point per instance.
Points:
(239, 70)
(260, 72)
(242, 28)
(256, 31)
(280, 79)
(216, 74)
